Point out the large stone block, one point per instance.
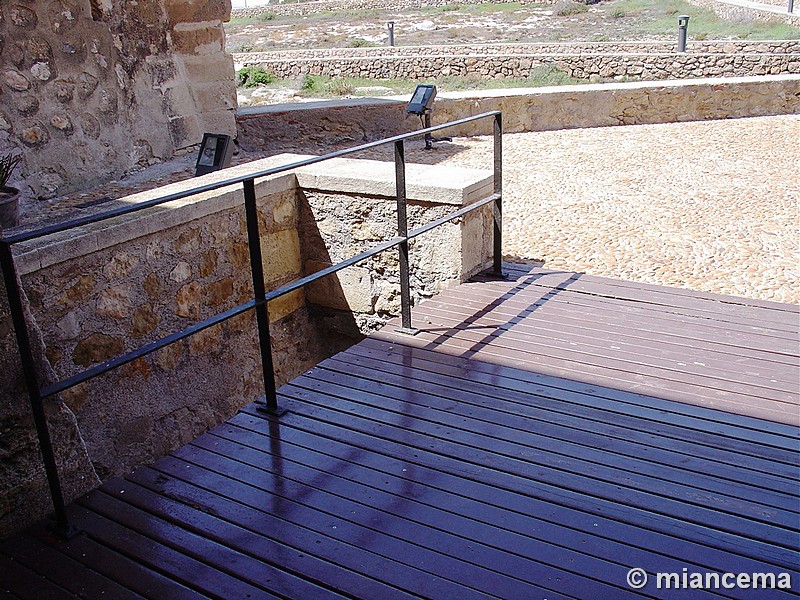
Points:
(349, 289)
(281, 254)
(192, 11)
(198, 38)
(214, 97)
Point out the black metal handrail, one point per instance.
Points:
(261, 297)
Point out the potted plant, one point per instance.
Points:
(9, 196)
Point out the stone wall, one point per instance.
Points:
(92, 89)
(308, 8)
(651, 66)
(693, 47)
(100, 290)
(344, 123)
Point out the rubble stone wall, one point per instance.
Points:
(91, 89)
(653, 66)
(693, 47)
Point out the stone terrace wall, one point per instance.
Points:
(91, 88)
(307, 8)
(693, 47)
(345, 123)
(580, 66)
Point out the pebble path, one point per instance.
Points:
(711, 206)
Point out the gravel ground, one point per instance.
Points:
(711, 206)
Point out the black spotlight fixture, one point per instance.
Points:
(215, 153)
(420, 105)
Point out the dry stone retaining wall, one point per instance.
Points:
(91, 89)
(581, 66)
(693, 47)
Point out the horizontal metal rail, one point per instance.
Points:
(126, 210)
(261, 297)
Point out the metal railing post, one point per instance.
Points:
(497, 266)
(259, 292)
(62, 525)
(402, 231)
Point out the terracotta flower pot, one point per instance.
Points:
(9, 207)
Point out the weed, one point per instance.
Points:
(361, 43)
(339, 86)
(567, 9)
(617, 13)
(253, 76)
(267, 16)
(243, 48)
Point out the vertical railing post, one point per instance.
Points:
(259, 292)
(63, 527)
(402, 231)
(497, 266)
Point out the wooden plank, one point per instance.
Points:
(27, 584)
(612, 489)
(125, 539)
(514, 353)
(730, 312)
(559, 463)
(516, 272)
(415, 570)
(608, 420)
(734, 374)
(703, 325)
(656, 341)
(587, 513)
(507, 572)
(59, 568)
(99, 557)
(476, 401)
(376, 476)
(239, 552)
(761, 434)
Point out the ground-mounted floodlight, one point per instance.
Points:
(683, 26)
(420, 105)
(215, 153)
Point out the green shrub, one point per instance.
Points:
(267, 16)
(361, 43)
(253, 76)
(339, 87)
(566, 9)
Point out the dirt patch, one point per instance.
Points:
(486, 23)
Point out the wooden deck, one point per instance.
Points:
(537, 439)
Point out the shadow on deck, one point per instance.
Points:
(539, 438)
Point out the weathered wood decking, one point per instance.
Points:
(537, 439)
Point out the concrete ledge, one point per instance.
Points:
(426, 183)
(44, 252)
